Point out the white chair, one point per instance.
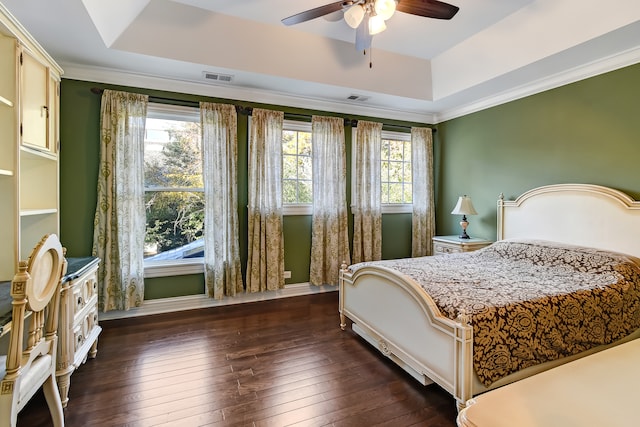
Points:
(31, 362)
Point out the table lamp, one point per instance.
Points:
(464, 207)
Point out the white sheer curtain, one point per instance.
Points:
(329, 239)
(265, 265)
(219, 154)
(423, 219)
(120, 222)
(366, 206)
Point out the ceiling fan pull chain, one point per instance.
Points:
(371, 58)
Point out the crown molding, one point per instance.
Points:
(146, 81)
(124, 78)
(582, 72)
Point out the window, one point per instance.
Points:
(396, 191)
(174, 194)
(297, 187)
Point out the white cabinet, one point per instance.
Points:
(34, 103)
(29, 177)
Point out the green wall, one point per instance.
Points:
(585, 132)
(79, 135)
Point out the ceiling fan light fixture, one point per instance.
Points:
(376, 25)
(354, 15)
(385, 8)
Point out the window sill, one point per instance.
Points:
(297, 209)
(397, 208)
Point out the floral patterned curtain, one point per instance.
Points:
(423, 219)
(219, 157)
(120, 222)
(265, 264)
(329, 238)
(366, 205)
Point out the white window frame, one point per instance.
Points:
(184, 266)
(387, 208)
(297, 208)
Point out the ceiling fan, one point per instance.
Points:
(368, 16)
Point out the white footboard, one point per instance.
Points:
(395, 315)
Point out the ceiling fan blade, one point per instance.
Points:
(310, 14)
(428, 8)
(363, 38)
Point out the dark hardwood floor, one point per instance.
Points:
(272, 363)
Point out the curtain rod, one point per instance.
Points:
(248, 110)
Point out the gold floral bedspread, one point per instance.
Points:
(531, 301)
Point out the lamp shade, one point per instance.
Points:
(354, 15)
(376, 25)
(464, 207)
(385, 8)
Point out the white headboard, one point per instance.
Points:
(579, 214)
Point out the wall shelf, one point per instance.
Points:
(38, 152)
(32, 212)
(5, 101)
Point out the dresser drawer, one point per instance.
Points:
(442, 248)
(443, 245)
(84, 328)
(84, 292)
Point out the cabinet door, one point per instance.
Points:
(34, 78)
(53, 133)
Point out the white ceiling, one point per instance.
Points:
(423, 70)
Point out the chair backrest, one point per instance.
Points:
(34, 287)
(35, 290)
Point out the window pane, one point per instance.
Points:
(408, 196)
(305, 168)
(385, 150)
(289, 191)
(172, 154)
(395, 171)
(384, 194)
(384, 172)
(305, 192)
(297, 165)
(396, 150)
(289, 143)
(289, 167)
(175, 223)
(407, 151)
(304, 143)
(395, 193)
(173, 163)
(407, 172)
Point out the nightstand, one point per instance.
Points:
(454, 244)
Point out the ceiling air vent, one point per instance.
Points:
(217, 77)
(357, 98)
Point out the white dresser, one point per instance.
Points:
(78, 329)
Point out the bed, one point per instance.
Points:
(393, 311)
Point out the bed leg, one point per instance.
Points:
(343, 270)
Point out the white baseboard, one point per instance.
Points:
(190, 302)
